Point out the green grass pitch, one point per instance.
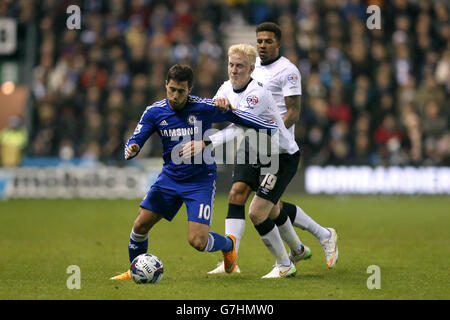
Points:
(406, 237)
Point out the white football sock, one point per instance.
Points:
(289, 235)
(138, 237)
(303, 221)
(235, 227)
(274, 243)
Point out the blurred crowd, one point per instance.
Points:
(378, 97)
(92, 85)
(372, 97)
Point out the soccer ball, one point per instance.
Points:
(146, 268)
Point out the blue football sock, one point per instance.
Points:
(218, 242)
(138, 245)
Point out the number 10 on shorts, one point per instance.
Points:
(204, 212)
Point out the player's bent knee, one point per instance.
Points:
(239, 193)
(259, 210)
(254, 217)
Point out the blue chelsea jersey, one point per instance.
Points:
(189, 123)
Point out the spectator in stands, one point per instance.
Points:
(13, 140)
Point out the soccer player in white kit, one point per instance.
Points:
(244, 93)
(283, 79)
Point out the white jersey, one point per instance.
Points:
(282, 78)
(255, 99)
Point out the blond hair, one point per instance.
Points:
(245, 49)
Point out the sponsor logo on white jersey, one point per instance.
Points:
(292, 78)
(252, 100)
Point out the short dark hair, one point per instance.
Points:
(271, 27)
(180, 73)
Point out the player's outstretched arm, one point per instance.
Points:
(251, 121)
(239, 117)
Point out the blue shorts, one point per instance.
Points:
(166, 197)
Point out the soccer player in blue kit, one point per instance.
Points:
(178, 117)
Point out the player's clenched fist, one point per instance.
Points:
(131, 150)
(223, 104)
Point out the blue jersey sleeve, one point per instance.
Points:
(143, 131)
(250, 120)
(239, 117)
